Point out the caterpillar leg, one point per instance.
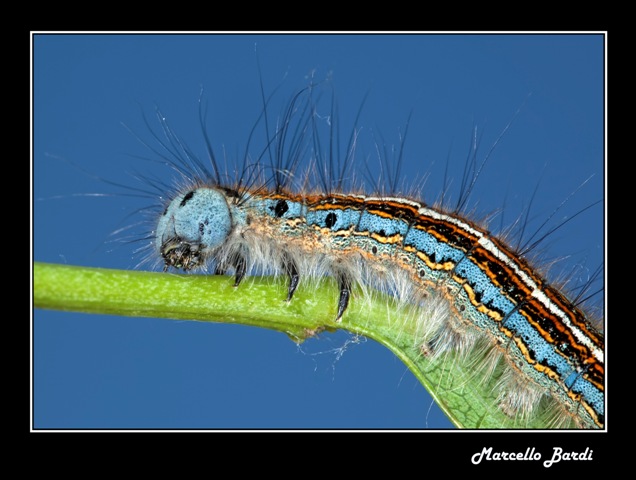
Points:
(344, 283)
(290, 267)
(241, 266)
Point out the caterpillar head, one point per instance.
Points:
(194, 224)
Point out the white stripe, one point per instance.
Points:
(536, 292)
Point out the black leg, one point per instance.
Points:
(294, 278)
(344, 283)
(241, 267)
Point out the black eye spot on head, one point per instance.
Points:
(374, 249)
(280, 208)
(330, 220)
(422, 273)
(187, 197)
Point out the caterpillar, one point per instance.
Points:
(312, 210)
(392, 244)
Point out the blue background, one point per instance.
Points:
(92, 371)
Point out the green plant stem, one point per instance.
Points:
(257, 302)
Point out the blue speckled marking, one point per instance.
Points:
(385, 227)
(431, 247)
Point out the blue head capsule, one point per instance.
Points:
(195, 223)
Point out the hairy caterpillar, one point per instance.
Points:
(411, 139)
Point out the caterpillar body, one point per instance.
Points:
(421, 254)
